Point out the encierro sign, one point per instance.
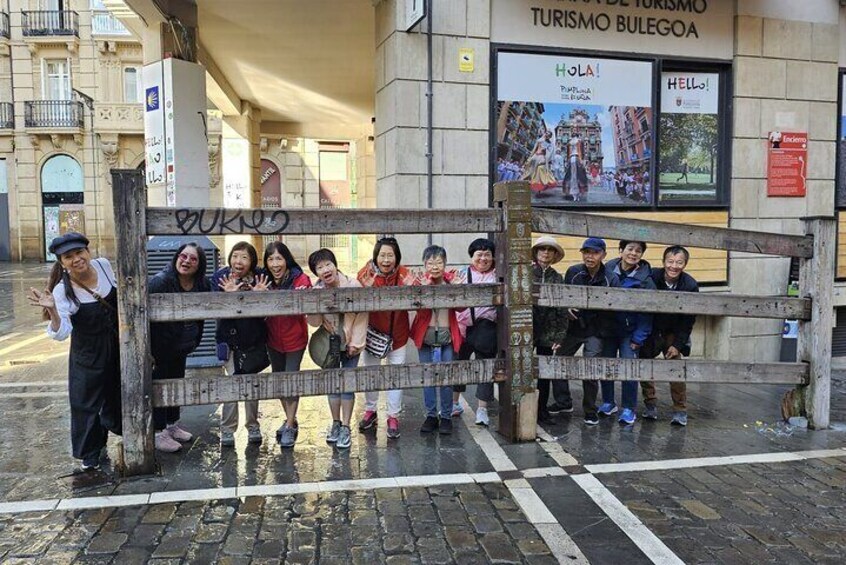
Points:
(667, 27)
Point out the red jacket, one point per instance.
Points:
(286, 334)
(421, 323)
(369, 276)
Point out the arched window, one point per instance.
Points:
(62, 197)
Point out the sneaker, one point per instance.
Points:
(591, 419)
(430, 424)
(369, 420)
(545, 417)
(254, 435)
(679, 418)
(282, 427)
(90, 464)
(650, 413)
(165, 442)
(334, 431)
(560, 407)
(344, 438)
(627, 417)
(457, 410)
(445, 426)
(607, 408)
(288, 437)
(178, 433)
(227, 438)
(482, 417)
(393, 427)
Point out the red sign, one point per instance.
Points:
(787, 163)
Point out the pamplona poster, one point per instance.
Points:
(688, 136)
(579, 129)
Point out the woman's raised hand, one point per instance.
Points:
(262, 283)
(228, 283)
(42, 299)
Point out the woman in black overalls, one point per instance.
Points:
(81, 301)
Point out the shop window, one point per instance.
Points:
(613, 133)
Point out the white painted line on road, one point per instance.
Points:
(554, 449)
(541, 472)
(13, 395)
(22, 344)
(28, 506)
(667, 464)
(562, 546)
(94, 502)
(26, 384)
(9, 336)
(642, 536)
(186, 495)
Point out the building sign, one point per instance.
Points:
(787, 163)
(579, 129)
(673, 27)
(689, 136)
(154, 126)
(271, 185)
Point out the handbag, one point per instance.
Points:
(324, 348)
(379, 344)
(481, 336)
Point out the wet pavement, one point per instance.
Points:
(606, 494)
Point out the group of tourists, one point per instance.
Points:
(81, 302)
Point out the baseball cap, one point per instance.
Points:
(593, 243)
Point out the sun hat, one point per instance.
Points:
(547, 241)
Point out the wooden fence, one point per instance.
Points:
(510, 221)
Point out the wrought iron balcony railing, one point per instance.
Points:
(104, 23)
(50, 22)
(7, 115)
(53, 114)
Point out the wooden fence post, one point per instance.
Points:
(517, 395)
(816, 281)
(130, 205)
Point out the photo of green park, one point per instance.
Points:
(688, 150)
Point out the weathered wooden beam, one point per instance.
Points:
(275, 221)
(637, 300)
(262, 386)
(816, 276)
(664, 370)
(208, 305)
(517, 397)
(592, 225)
(130, 200)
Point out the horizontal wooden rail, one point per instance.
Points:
(637, 300)
(662, 370)
(591, 225)
(262, 386)
(208, 305)
(275, 221)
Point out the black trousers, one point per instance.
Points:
(560, 388)
(172, 367)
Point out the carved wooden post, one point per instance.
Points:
(816, 281)
(517, 395)
(130, 204)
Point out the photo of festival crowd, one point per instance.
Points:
(576, 153)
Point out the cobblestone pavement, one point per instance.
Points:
(447, 524)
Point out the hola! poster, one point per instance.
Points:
(579, 129)
(787, 163)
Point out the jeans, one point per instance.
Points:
(167, 368)
(285, 363)
(431, 393)
(610, 349)
(560, 387)
(346, 363)
(394, 397)
(592, 348)
(243, 362)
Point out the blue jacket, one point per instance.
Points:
(636, 325)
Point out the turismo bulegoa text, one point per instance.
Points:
(622, 23)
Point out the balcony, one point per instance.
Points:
(4, 25)
(104, 23)
(49, 23)
(7, 115)
(54, 114)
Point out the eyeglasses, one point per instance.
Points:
(189, 258)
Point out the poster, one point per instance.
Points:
(271, 185)
(787, 163)
(689, 136)
(841, 147)
(579, 129)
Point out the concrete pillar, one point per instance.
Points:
(461, 111)
(785, 78)
(241, 164)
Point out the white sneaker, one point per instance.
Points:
(165, 443)
(254, 435)
(178, 433)
(482, 417)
